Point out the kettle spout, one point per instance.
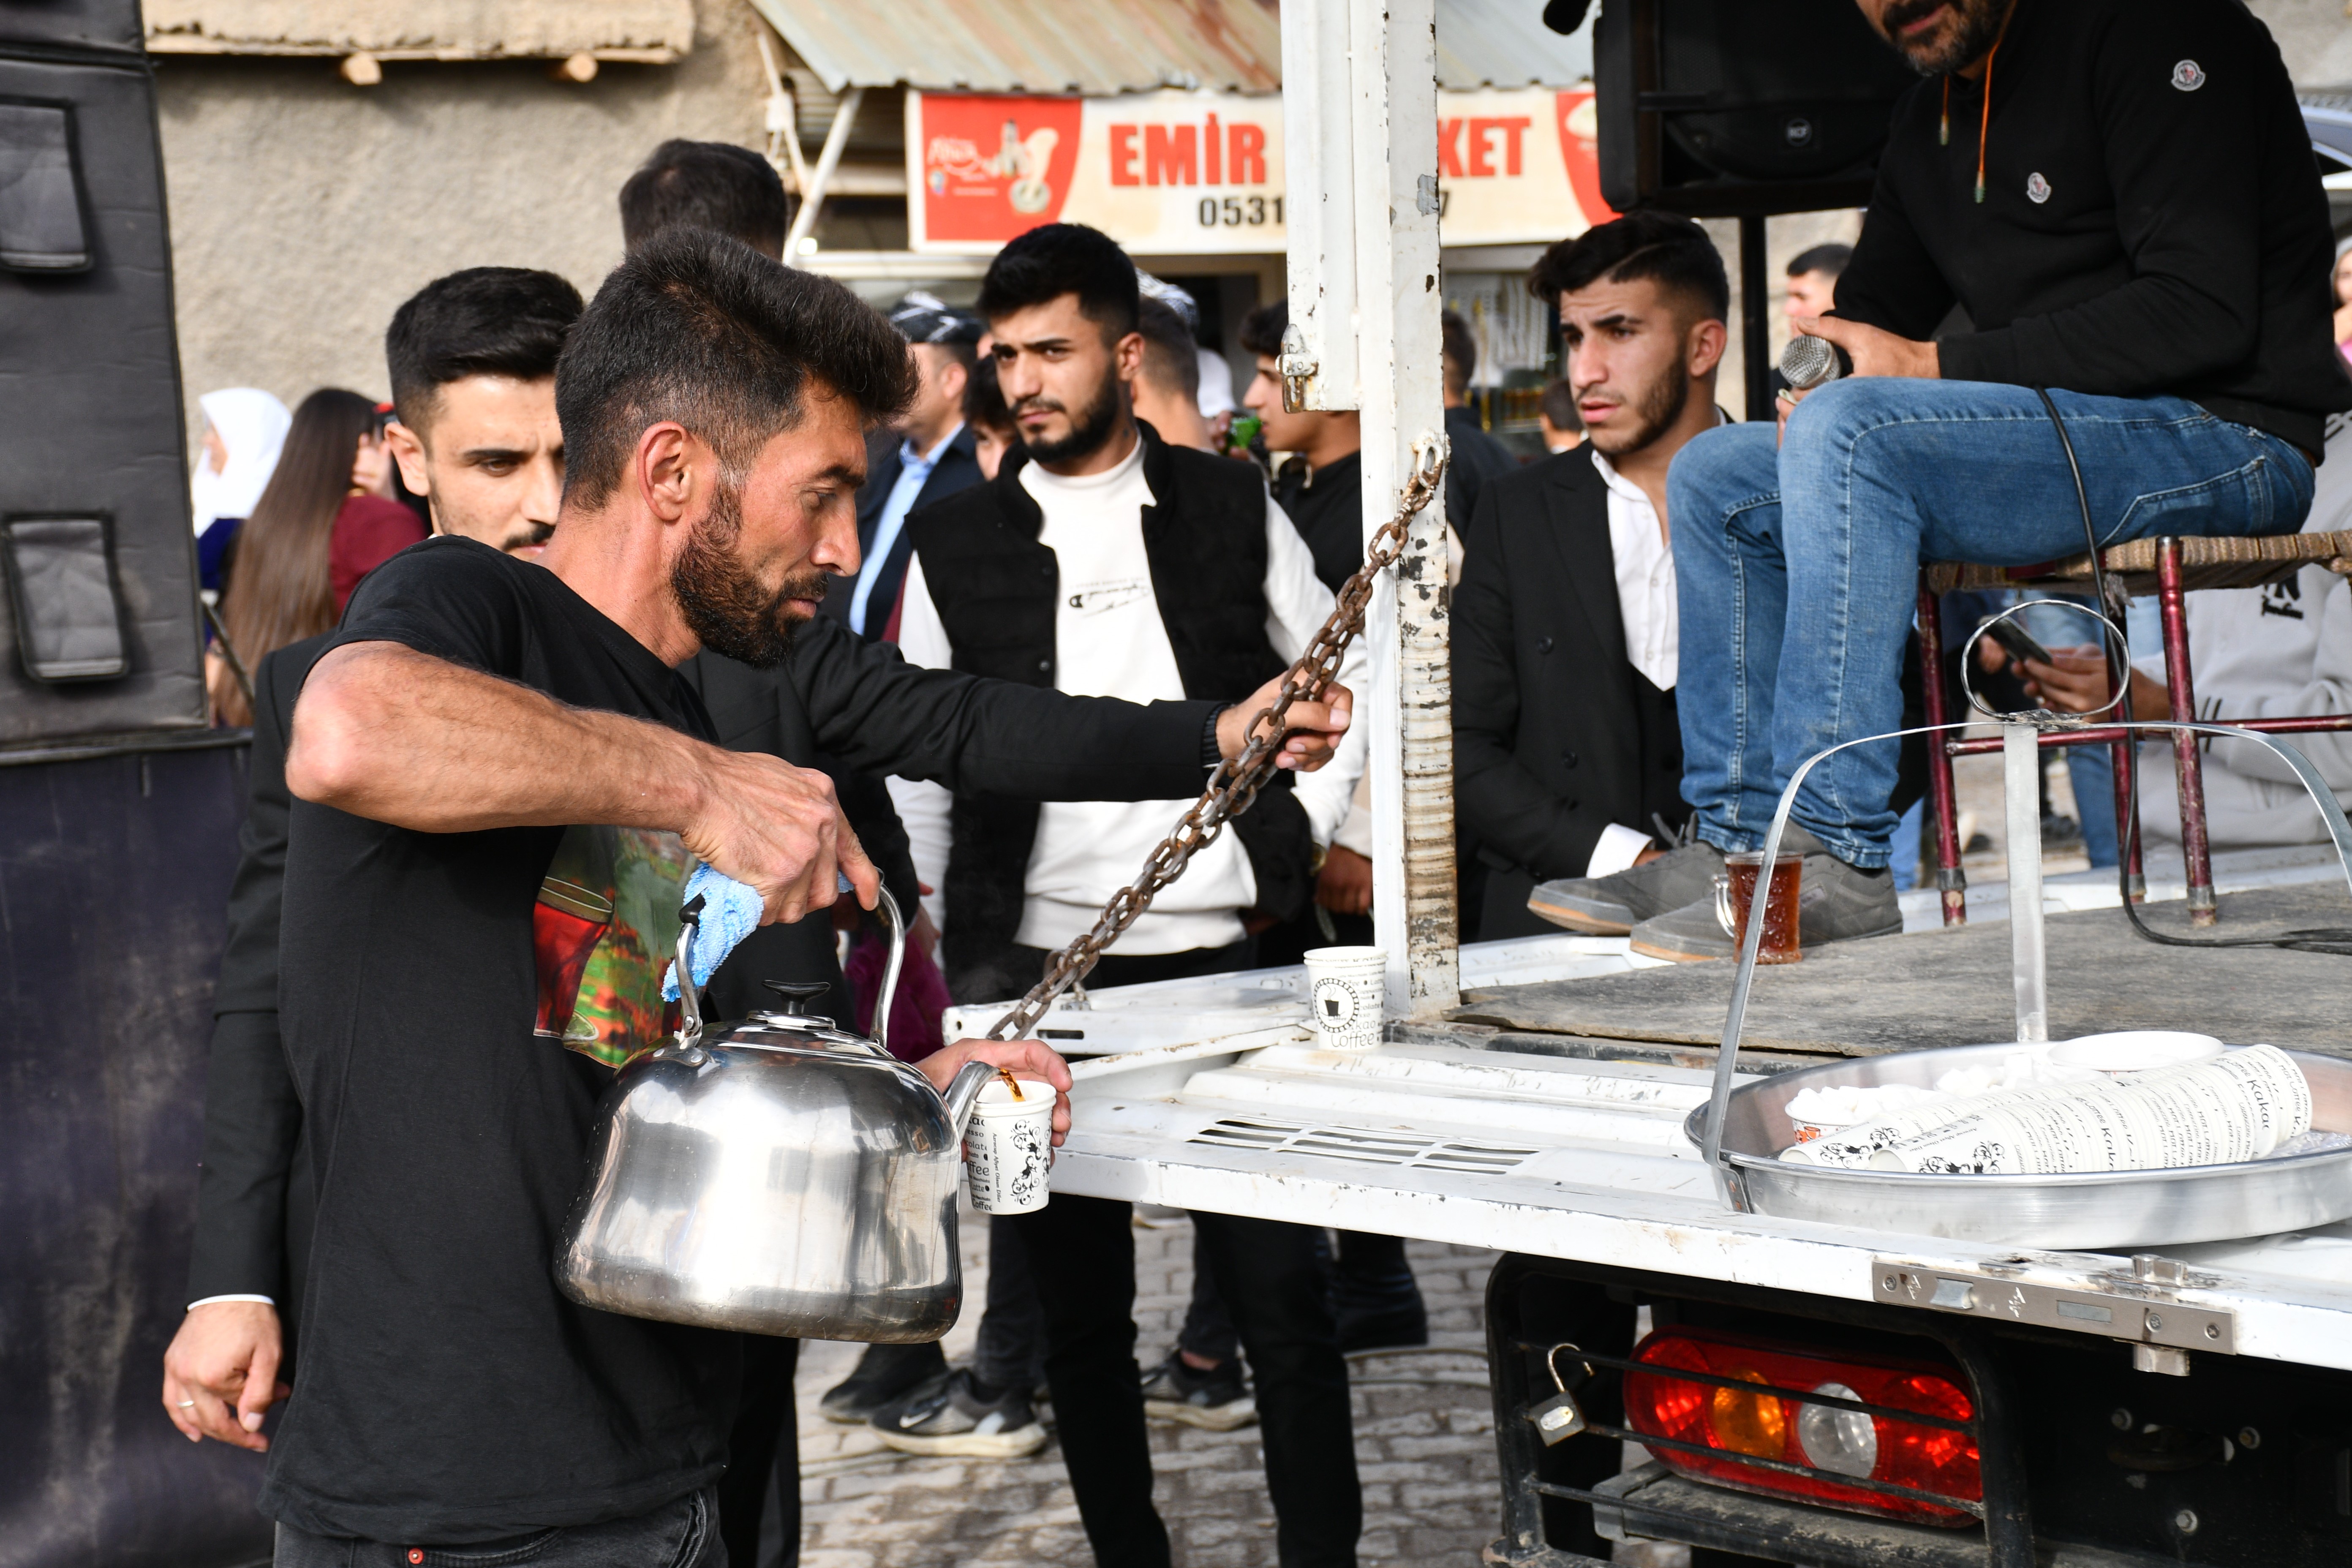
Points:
(963, 1093)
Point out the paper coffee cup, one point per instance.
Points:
(1347, 988)
(1008, 1148)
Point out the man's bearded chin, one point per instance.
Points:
(1655, 413)
(1090, 427)
(724, 603)
(1980, 25)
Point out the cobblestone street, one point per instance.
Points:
(1424, 1449)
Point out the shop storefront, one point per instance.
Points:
(1192, 180)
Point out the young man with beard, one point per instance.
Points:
(924, 721)
(473, 390)
(2122, 196)
(1567, 753)
(1101, 559)
(471, 358)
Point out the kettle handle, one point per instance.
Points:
(690, 1002)
(889, 906)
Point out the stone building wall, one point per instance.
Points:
(305, 209)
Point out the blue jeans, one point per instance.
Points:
(1798, 567)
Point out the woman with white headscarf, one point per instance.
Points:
(245, 428)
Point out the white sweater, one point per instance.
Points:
(2277, 652)
(1110, 642)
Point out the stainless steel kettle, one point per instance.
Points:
(780, 1176)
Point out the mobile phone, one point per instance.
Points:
(2018, 642)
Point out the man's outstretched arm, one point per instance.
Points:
(383, 732)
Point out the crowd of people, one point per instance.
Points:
(967, 603)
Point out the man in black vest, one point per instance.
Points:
(1568, 755)
(926, 456)
(1102, 560)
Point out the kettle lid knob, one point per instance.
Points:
(798, 994)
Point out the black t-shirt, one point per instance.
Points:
(447, 1391)
(1326, 506)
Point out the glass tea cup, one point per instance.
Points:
(1734, 893)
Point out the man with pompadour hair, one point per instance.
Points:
(716, 185)
(472, 360)
(448, 1123)
(839, 696)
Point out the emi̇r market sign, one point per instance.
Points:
(1202, 172)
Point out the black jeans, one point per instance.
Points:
(765, 1441)
(679, 1534)
(1011, 1349)
(1081, 1255)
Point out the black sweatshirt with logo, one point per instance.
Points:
(2152, 220)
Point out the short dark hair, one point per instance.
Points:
(1061, 259)
(983, 399)
(698, 328)
(1263, 328)
(485, 320)
(1169, 358)
(706, 185)
(1560, 405)
(1672, 251)
(1829, 259)
(1460, 346)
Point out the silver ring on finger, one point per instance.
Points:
(187, 1405)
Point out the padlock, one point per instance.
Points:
(1558, 1417)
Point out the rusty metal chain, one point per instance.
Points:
(1235, 785)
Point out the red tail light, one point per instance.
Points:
(1726, 1421)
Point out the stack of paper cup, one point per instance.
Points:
(1345, 988)
(1008, 1147)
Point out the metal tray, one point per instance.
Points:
(1741, 1130)
(2098, 1210)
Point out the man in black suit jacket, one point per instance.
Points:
(1568, 754)
(927, 457)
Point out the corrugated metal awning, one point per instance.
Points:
(655, 31)
(1504, 43)
(1091, 46)
(1102, 47)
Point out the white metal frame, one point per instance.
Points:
(1360, 111)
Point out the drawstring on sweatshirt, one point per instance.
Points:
(1984, 124)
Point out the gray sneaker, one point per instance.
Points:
(1835, 903)
(1614, 904)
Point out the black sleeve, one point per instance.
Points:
(865, 800)
(874, 710)
(450, 597)
(2189, 212)
(252, 1117)
(1506, 809)
(1891, 282)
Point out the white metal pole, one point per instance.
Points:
(812, 194)
(1319, 114)
(1394, 92)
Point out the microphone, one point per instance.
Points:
(1808, 362)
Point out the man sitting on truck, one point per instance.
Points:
(2121, 195)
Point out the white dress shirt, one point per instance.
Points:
(1647, 607)
(1109, 641)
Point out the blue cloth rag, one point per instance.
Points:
(730, 912)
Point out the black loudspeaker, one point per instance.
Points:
(99, 632)
(1730, 108)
